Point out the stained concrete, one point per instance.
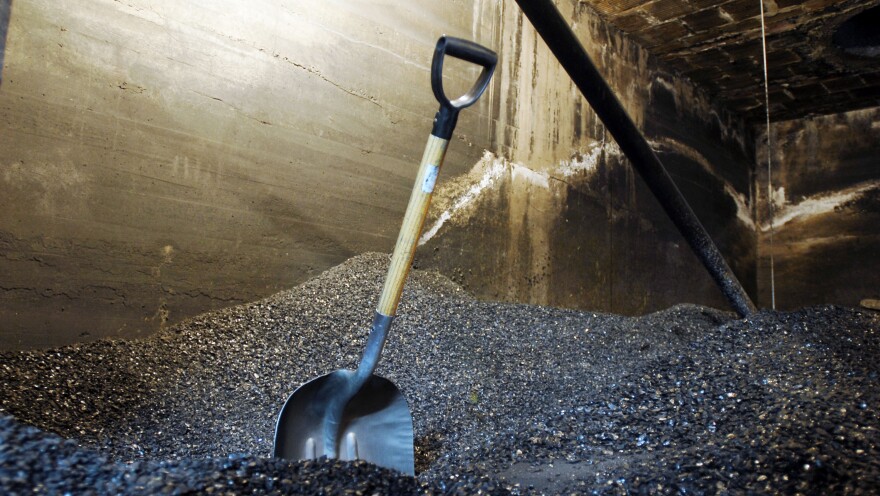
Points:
(823, 237)
(556, 215)
(165, 158)
(719, 44)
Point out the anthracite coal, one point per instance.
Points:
(505, 398)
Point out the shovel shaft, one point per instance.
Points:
(401, 260)
(416, 211)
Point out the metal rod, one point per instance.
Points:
(553, 28)
(770, 213)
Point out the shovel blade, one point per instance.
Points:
(376, 424)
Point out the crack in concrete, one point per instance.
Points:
(69, 295)
(315, 72)
(201, 294)
(233, 107)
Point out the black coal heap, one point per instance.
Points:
(505, 398)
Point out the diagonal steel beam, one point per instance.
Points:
(553, 28)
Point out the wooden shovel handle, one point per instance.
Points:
(416, 211)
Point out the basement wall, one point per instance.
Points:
(824, 238)
(162, 158)
(553, 214)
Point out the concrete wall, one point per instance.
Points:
(553, 213)
(164, 158)
(824, 238)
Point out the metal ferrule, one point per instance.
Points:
(373, 349)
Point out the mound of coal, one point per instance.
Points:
(34, 462)
(504, 398)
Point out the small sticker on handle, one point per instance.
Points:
(430, 179)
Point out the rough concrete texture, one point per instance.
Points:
(718, 44)
(556, 216)
(161, 159)
(823, 238)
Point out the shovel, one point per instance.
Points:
(353, 414)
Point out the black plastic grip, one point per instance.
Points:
(446, 118)
(467, 50)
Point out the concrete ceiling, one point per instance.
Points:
(717, 43)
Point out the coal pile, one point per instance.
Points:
(34, 462)
(505, 398)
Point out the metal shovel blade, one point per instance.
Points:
(376, 424)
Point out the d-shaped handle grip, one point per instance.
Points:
(446, 118)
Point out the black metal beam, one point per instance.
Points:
(574, 59)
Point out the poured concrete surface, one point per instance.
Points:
(556, 216)
(823, 241)
(162, 159)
